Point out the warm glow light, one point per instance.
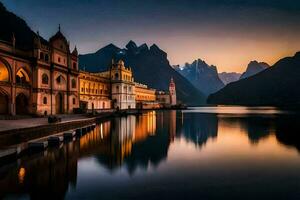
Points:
(3, 72)
(21, 175)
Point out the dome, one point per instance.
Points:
(121, 62)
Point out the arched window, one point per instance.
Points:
(74, 101)
(22, 76)
(73, 83)
(45, 79)
(60, 79)
(45, 100)
(116, 76)
(4, 73)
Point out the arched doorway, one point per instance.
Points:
(21, 104)
(3, 104)
(59, 102)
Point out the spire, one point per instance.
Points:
(59, 27)
(75, 52)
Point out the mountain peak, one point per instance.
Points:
(253, 68)
(157, 51)
(199, 73)
(276, 86)
(131, 45)
(297, 55)
(110, 46)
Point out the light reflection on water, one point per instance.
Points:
(237, 110)
(169, 155)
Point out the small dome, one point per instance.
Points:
(121, 62)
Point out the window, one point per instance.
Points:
(74, 65)
(22, 77)
(82, 89)
(58, 59)
(46, 57)
(45, 100)
(74, 101)
(45, 79)
(116, 76)
(73, 83)
(60, 79)
(41, 56)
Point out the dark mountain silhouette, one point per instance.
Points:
(228, 77)
(277, 85)
(13, 25)
(202, 76)
(253, 68)
(150, 66)
(198, 128)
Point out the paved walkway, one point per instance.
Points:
(32, 122)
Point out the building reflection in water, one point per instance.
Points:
(135, 142)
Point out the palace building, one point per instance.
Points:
(40, 79)
(119, 84)
(121, 92)
(145, 97)
(94, 91)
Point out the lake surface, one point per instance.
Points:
(201, 153)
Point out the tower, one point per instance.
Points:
(172, 91)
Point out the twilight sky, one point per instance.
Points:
(226, 33)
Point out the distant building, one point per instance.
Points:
(39, 79)
(172, 91)
(162, 98)
(145, 97)
(122, 86)
(94, 91)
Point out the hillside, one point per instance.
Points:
(276, 85)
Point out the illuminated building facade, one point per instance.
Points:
(122, 85)
(94, 91)
(39, 79)
(145, 97)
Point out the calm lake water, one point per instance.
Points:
(201, 153)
